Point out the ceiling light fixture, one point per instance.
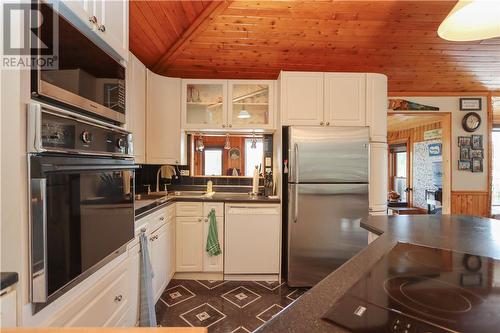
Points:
(472, 20)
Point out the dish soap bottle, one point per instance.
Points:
(209, 187)
(255, 182)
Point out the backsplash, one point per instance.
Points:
(146, 175)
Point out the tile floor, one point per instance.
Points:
(223, 306)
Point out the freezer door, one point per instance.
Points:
(324, 229)
(328, 154)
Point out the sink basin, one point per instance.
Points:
(188, 193)
(150, 196)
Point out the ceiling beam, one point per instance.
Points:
(197, 27)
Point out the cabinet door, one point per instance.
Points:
(301, 98)
(250, 104)
(83, 9)
(112, 17)
(136, 107)
(213, 263)
(171, 249)
(163, 125)
(345, 101)
(204, 104)
(378, 177)
(160, 260)
(376, 106)
(189, 244)
(8, 309)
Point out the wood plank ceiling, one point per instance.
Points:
(257, 39)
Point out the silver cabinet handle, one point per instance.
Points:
(327, 123)
(200, 219)
(230, 125)
(93, 19)
(223, 126)
(206, 220)
(322, 123)
(101, 28)
(162, 218)
(118, 298)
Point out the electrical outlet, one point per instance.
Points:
(184, 172)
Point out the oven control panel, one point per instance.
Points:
(60, 133)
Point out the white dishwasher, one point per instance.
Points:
(252, 239)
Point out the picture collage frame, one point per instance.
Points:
(471, 153)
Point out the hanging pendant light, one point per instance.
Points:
(254, 141)
(243, 114)
(227, 145)
(472, 20)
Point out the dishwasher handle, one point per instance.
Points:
(249, 210)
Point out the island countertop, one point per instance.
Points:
(467, 234)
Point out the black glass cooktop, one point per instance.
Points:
(416, 289)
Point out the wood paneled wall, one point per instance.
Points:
(414, 134)
(474, 203)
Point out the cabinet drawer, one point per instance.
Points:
(102, 305)
(189, 209)
(218, 206)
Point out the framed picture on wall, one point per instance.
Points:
(464, 165)
(435, 149)
(477, 142)
(477, 165)
(476, 153)
(464, 141)
(464, 153)
(470, 104)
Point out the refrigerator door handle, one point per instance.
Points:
(296, 162)
(296, 206)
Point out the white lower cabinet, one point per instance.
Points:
(8, 309)
(189, 238)
(104, 304)
(192, 226)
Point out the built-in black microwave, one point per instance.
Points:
(82, 75)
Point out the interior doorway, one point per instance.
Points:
(419, 176)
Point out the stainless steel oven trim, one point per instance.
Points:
(34, 141)
(40, 289)
(52, 91)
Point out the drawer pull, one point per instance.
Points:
(118, 298)
(200, 219)
(162, 218)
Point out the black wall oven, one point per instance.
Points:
(83, 76)
(81, 200)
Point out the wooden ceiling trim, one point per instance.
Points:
(198, 26)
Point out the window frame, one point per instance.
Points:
(221, 149)
(393, 166)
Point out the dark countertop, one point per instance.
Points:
(459, 233)
(147, 206)
(8, 279)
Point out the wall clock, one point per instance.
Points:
(471, 122)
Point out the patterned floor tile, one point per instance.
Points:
(271, 285)
(270, 312)
(241, 296)
(176, 295)
(211, 284)
(229, 306)
(203, 315)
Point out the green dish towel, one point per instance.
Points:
(213, 246)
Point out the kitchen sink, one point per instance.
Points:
(188, 194)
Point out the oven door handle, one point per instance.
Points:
(38, 220)
(103, 167)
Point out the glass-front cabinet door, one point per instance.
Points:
(204, 104)
(250, 104)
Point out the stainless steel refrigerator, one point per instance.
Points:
(327, 199)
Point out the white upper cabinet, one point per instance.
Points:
(335, 99)
(376, 106)
(164, 140)
(250, 104)
(136, 106)
(301, 98)
(108, 19)
(204, 104)
(345, 99)
(227, 104)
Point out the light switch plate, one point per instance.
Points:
(184, 172)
